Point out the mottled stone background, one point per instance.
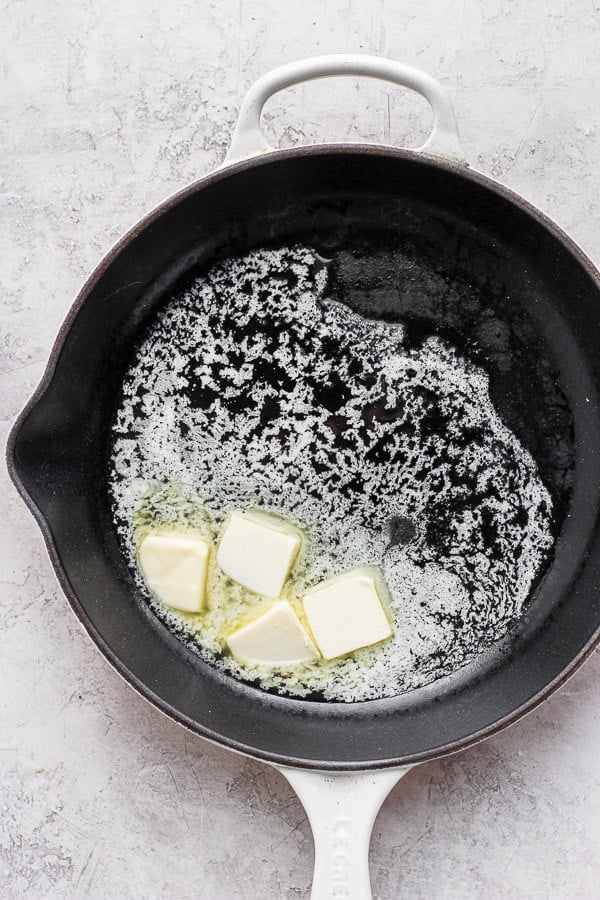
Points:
(106, 109)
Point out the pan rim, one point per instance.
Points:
(107, 652)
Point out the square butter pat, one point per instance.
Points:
(346, 613)
(258, 552)
(174, 566)
(275, 638)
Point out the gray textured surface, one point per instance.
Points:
(106, 109)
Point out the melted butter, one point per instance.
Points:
(369, 443)
(229, 605)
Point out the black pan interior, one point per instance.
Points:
(438, 248)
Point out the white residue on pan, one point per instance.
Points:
(251, 390)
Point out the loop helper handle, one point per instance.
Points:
(248, 139)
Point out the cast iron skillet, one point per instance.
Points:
(474, 233)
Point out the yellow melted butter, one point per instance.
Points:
(229, 605)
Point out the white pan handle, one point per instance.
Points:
(341, 808)
(248, 139)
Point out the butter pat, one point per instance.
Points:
(346, 613)
(258, 551)
(277, 638)
(174, 566)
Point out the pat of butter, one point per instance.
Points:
(275, 638)
(174, 566)
(258, 552)
(346, 613)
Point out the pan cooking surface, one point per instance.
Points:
(256, 386)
